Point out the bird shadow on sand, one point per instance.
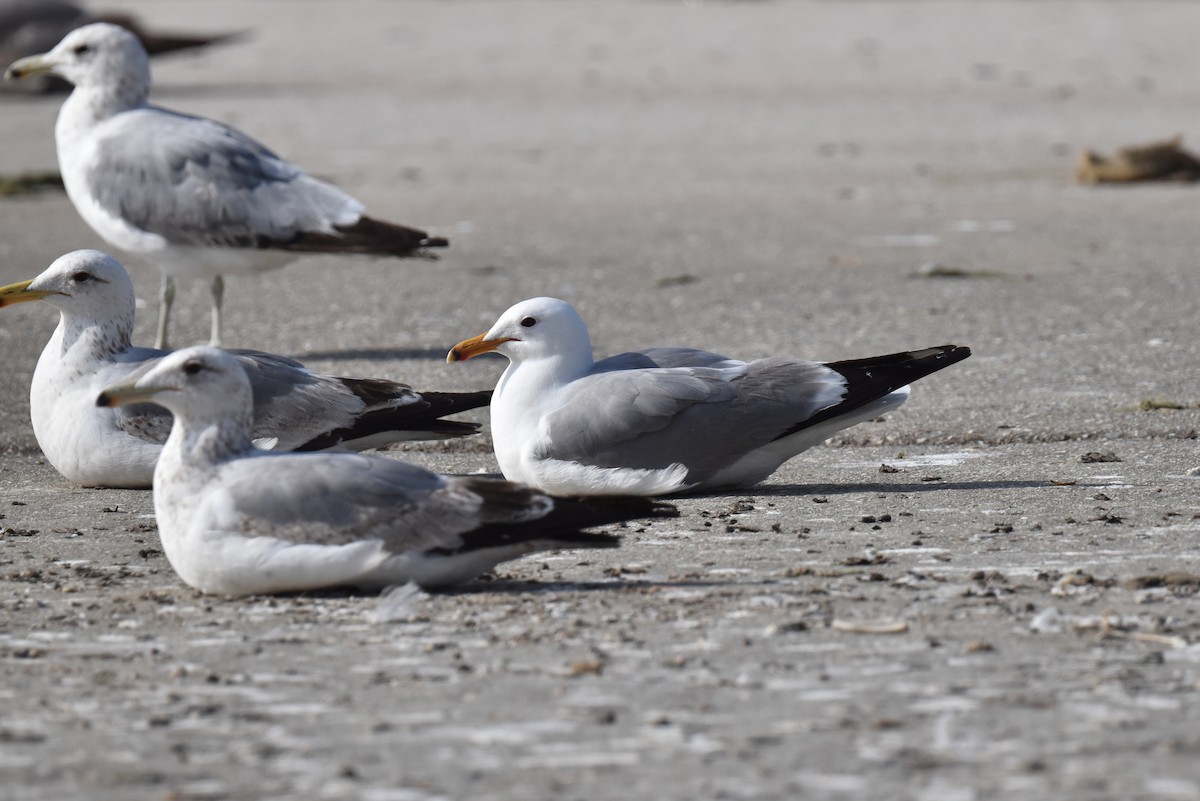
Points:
(355, 354)
(517, 587)
(792, 490)
(485, 585)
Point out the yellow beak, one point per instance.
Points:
(475, 346)
(30, 65)
(127, 394)
(21, 293)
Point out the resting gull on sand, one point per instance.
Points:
(668, 419)
(294, 408)
(237, 520)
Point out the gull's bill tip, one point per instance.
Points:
(127, 394)
(21, 293)
(30, 65)
(474, 346)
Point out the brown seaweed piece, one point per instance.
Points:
(1160, 161)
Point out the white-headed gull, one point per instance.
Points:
(669, 419)
(294, 408)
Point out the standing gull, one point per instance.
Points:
(669, 419)
(200, 198)
(237, 520)
(294, 408)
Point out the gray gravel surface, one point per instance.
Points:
(946, 605)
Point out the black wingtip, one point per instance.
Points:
(872, 378)
(366, 236)
(898, 369)
(563, 526)
(420, 413)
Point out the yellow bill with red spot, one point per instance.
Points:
(475, 346)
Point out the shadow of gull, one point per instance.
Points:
(784, 490)
(489, 583)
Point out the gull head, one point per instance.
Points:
(84, 283)
(532, 329)
(99, 54)
(197, 384)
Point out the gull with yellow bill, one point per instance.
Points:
(668, 420)
(294, 407)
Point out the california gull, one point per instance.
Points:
(294, 408)
(668, 419)
(202, 199)
(237, 520)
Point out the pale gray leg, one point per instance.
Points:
(218, 294)
(166, 296)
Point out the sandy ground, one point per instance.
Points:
(755, 178)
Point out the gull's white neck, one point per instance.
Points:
(523, 394)
(82, 113)
(198, 446)
(76, 350)
(62, 396)
(88, 106)
(82, 340)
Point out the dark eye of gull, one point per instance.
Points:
(529, 322)
(81, 49)
(81, 277)
(191, 368)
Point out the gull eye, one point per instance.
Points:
(529, 322)
(193, 367)
(82, 49)
(81, 277)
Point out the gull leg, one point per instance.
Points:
(218, 294)
(166, 296)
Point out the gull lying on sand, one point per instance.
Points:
(294, 408)
(237, 520)
(201, 198)
(669, 419)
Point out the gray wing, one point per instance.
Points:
(194, 181)
(339, 498)
(292, 405)
(297, 409)
(665, 357)
(702, 417)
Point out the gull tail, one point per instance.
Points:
(508, 506)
